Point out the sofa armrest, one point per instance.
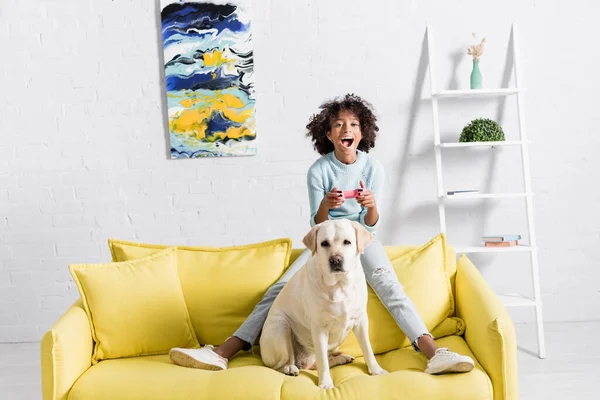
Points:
(66, 352)
(489, 332)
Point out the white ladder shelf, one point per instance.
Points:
(509, 300)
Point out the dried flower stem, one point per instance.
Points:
(476, 50)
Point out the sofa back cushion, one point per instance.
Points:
(221, 285)
(136, 307)
(425, 273)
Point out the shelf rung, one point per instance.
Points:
(480, 144)
(516, 300)
(444, 94)
(483, 249)
(465, 196)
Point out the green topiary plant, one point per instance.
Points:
(482, 130)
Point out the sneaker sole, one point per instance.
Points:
(458, 367)
(188, 361)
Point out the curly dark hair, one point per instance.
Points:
(320, 123)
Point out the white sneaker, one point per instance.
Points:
(445, 361)
(203, 358)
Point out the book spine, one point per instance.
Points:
(501, 244)
(505, 238)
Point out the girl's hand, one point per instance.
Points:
(333, 199)
(366, 198)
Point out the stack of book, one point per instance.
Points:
(501, 240)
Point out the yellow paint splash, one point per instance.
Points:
(238, 132)
(215, 58)
(193, 121)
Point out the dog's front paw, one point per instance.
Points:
(326, 384)
(378, 371)
(291, 370)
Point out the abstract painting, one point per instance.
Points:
(209, 74)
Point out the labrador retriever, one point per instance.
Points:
(320, 304)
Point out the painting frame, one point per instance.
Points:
(209, 78)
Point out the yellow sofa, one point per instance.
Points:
(486, 334)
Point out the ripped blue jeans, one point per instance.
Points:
(380, 276)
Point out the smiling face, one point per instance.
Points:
(345, 133)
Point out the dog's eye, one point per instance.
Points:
(347, 242)
(325, 243)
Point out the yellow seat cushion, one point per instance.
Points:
(156, 377)
(221, 286)
(134, 307)
(424, 274)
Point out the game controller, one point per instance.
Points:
(350, 194)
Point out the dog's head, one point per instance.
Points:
(337, 244)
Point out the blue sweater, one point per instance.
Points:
(328, 172)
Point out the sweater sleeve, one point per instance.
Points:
(377, 183)
(316, 190)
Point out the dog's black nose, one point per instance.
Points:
(336, 263)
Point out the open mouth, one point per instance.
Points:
(347, 141)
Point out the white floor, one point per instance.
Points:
(571, 369)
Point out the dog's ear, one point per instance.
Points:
(310, 240)
(363, 237)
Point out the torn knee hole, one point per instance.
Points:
(380, 272)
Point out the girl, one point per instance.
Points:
(343, 132)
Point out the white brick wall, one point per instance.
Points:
(84, 150)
